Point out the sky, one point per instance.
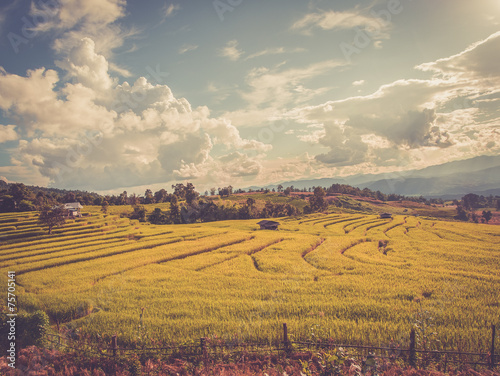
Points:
(113, 95)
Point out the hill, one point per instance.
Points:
(449, 180)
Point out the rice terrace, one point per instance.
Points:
(249, 188)
(353, 277)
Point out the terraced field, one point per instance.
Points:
(353, 277)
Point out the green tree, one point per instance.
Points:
(487, 215)
(179, 191)
(148, 197)
(69, 197)
(317, 200)
(51, 217)
(470, 201)
(190, 193)
(139, 213)
(26, 205)
(175, 211)
(462, 214)
(19, 192)
(161, 195)
(105, 207)
(157, 217)
(250, 202)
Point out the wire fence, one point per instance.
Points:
(210, 350)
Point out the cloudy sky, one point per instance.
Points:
(108, 95)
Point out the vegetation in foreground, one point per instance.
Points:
(38, 361)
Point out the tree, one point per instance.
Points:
(19, 192)
(8, 204)
(69, 197)
(122, 199)
(212, 191)
(148, 197)
(280, 188)
(51, 217)
(134, 200)
(139, 213)
(175, 212)
(161, 195)
(487, 215)
(462, 214)
(104, 207)
(157, 217)
(250, 202)
(287, 191)
(470, 201)
(26, 205)
(190, 193)
(317, 200)
(179, 191)
(226, 191)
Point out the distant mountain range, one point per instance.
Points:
(480, 175)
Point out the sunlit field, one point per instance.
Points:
(355, 278)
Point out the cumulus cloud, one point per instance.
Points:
(93, 133)
(454, 110)
(477, 61)
(73, 20)
(238, 164)
(86, 66)
(8, 133)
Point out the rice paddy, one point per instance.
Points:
(355, 278)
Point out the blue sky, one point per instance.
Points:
(109, 95)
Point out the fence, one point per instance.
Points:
(209, 350)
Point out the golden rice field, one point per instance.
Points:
(352, 277)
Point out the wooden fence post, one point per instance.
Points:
(413, 355)
(114, 345)
(492, 350)
(286, 341)
(203, 344)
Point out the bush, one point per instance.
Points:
(30, 329)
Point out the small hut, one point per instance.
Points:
(72, 209)
(268, 225)
(385, 215)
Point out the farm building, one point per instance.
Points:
(386, 215)
(268, 225)
(72, 209)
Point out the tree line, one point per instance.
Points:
(470, 203)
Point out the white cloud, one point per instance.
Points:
(73, 20)
(480, 60)
(453, 114)
(95, 134)
(331, 20)
(85, 66)
(271, 91)
(231, 51)
(358, 83)
(8, 133)
(187, 48)
(274, 51)
(169, 10)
